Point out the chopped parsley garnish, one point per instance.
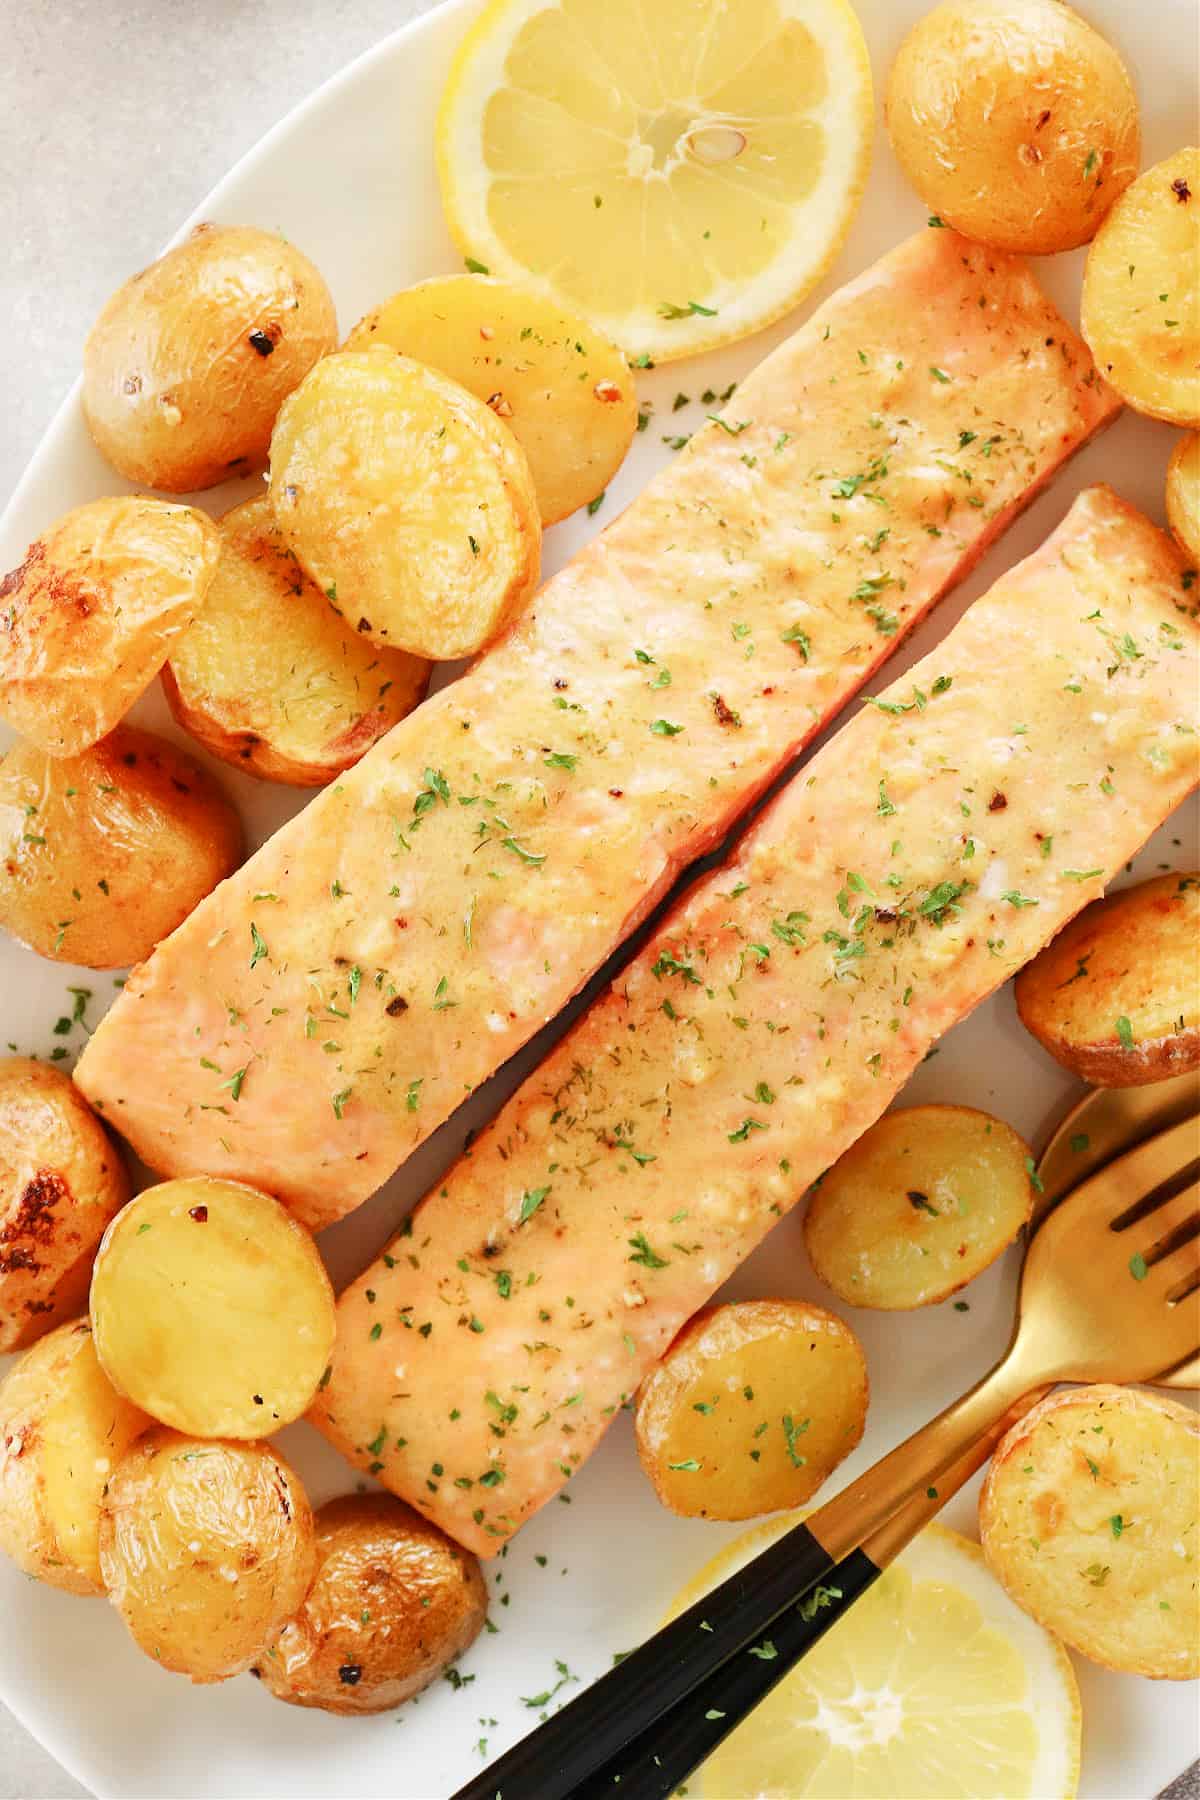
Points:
(531, 1199)
(643, 1253)
(668, 310)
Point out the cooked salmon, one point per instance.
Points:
(322, 1012)
(928, 851)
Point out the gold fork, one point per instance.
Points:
(1110, 1291)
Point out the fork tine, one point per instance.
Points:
(1184, 1288)
(1176, 1229)
(1158, 1195)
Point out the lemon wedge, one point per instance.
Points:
(934, 1683)
(680, 171)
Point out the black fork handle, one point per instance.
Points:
(554, 1761)
(652, 1767)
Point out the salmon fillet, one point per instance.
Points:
(326, 1009)
(931, 848)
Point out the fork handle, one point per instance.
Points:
(653, 1767)
(557, 1758)
(915, 1467)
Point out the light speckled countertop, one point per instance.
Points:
(114, 122)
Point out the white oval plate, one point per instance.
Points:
(349, 176)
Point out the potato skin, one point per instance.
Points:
(407, 502)
(523, 356)
(393, 1601)
(753, 1405)
(1183, 494)
(61, 1181)
(1114, 997)
(1140, 307)
(1015, 121)
(103, 854)
(270, 678)
(1088, 1517)
(63, 1428)
(88, 618)
(206, 1549)
(190, 360)
(211, 1307)
(923, 1202)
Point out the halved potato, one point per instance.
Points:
(63, 1429)
(270, 678)
(407, 501)
(206, 1549)
(1116, 996)
(212, 1309)
(92, 612)
(752, 1407)
(1015, 121)
(562, 387)
(61, 1181)
(1141, 292)
(103, 854)
(920, 1205)
(186, 367)
(393, 1601)
(1088, 1516)
(1183, 493)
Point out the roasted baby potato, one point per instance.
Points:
(1116, 996)
(752, 1407)
(211, 1307)
(61, 1181)
(1141, 292)
(92, 612)
(188, 364)
(270, 678)
(206, 1550)
(920, 1205)
(1015, 121)
(1088, 1517)
(407, 501)
(393, 1601)
(562, 387)
(63, 1429)
(1183, 494)
(103, 854)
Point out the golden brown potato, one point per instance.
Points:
(61, 1181)
(1088, 1517)
(392, 1602)
(919, 1206)
(561, 386)
(752, 1407)
(1116, 996)
(271, 679)
(206, 1549)
(1183, 494)
(188, 364)
(103, 854)
(1141, 292)
(407, 501)
(63, 1429)
(1015, 121)
(92, 612)
(212, 1309)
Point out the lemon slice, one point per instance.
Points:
(934, 1683)
(680, 171)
